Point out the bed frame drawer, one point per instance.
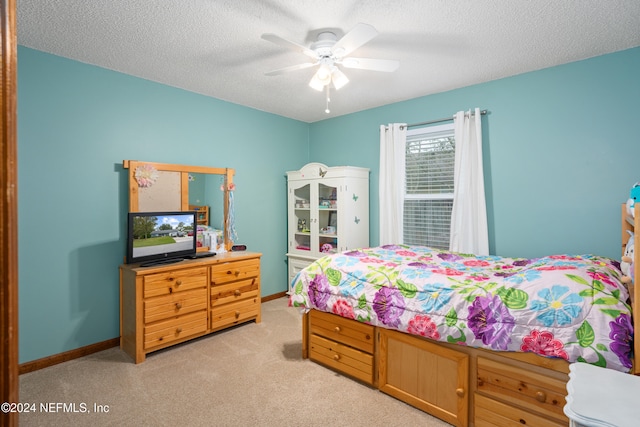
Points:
(345, 331)
(345, 345)
(343, 358)
(491, 413)
(525, 389)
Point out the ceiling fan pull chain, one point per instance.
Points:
(328, 100)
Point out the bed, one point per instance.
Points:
(473, 340)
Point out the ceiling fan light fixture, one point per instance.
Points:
(339, 79)
(316, 84)
(322, 77)
(324, 74)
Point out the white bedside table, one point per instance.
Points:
(600, 397)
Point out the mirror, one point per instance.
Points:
(205, 192)
(166, 187)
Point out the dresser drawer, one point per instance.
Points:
(235, 312)
(174, 281)
(343, 358)
(345, 331)
(492, 413)
(530, 390)
(175, 304)
(234, 270)
(234, 291)
(173, 329)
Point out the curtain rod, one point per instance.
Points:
(430, 122)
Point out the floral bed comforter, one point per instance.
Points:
(571, 307)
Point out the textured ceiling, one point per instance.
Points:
(214, 47)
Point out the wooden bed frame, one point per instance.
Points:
(461, 385)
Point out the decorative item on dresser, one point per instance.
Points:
(328, 212)
(165, 305)
(474, 341)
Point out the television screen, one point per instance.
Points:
(160, 237)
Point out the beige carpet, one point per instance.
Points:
(252, 374)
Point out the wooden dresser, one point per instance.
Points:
(164, 305)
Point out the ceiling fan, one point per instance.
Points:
(327, 52)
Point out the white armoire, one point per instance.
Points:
(328, 212)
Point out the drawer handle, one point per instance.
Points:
(178, 282)
(336, 357)
(237, 292)
(234, 273)
(237, 314)
(460, 392)
(178, 306)
(178, 330)
(541, 396)
(337, 329)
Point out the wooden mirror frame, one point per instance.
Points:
(184, 171)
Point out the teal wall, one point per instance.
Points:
(560, 156)
(561, 152)
(76, 124)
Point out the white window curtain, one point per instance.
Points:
(391, 187)
(469, 231)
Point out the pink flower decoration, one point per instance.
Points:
(146, 175)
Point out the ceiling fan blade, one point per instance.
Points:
(291, 68)
(355, 38)
(386, 65)
(273, 38)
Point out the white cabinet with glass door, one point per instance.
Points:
(328, 212)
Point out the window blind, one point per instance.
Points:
(429, 168)
(427, 222)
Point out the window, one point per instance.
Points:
(428, 199)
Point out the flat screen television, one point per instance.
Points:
(161, 237)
